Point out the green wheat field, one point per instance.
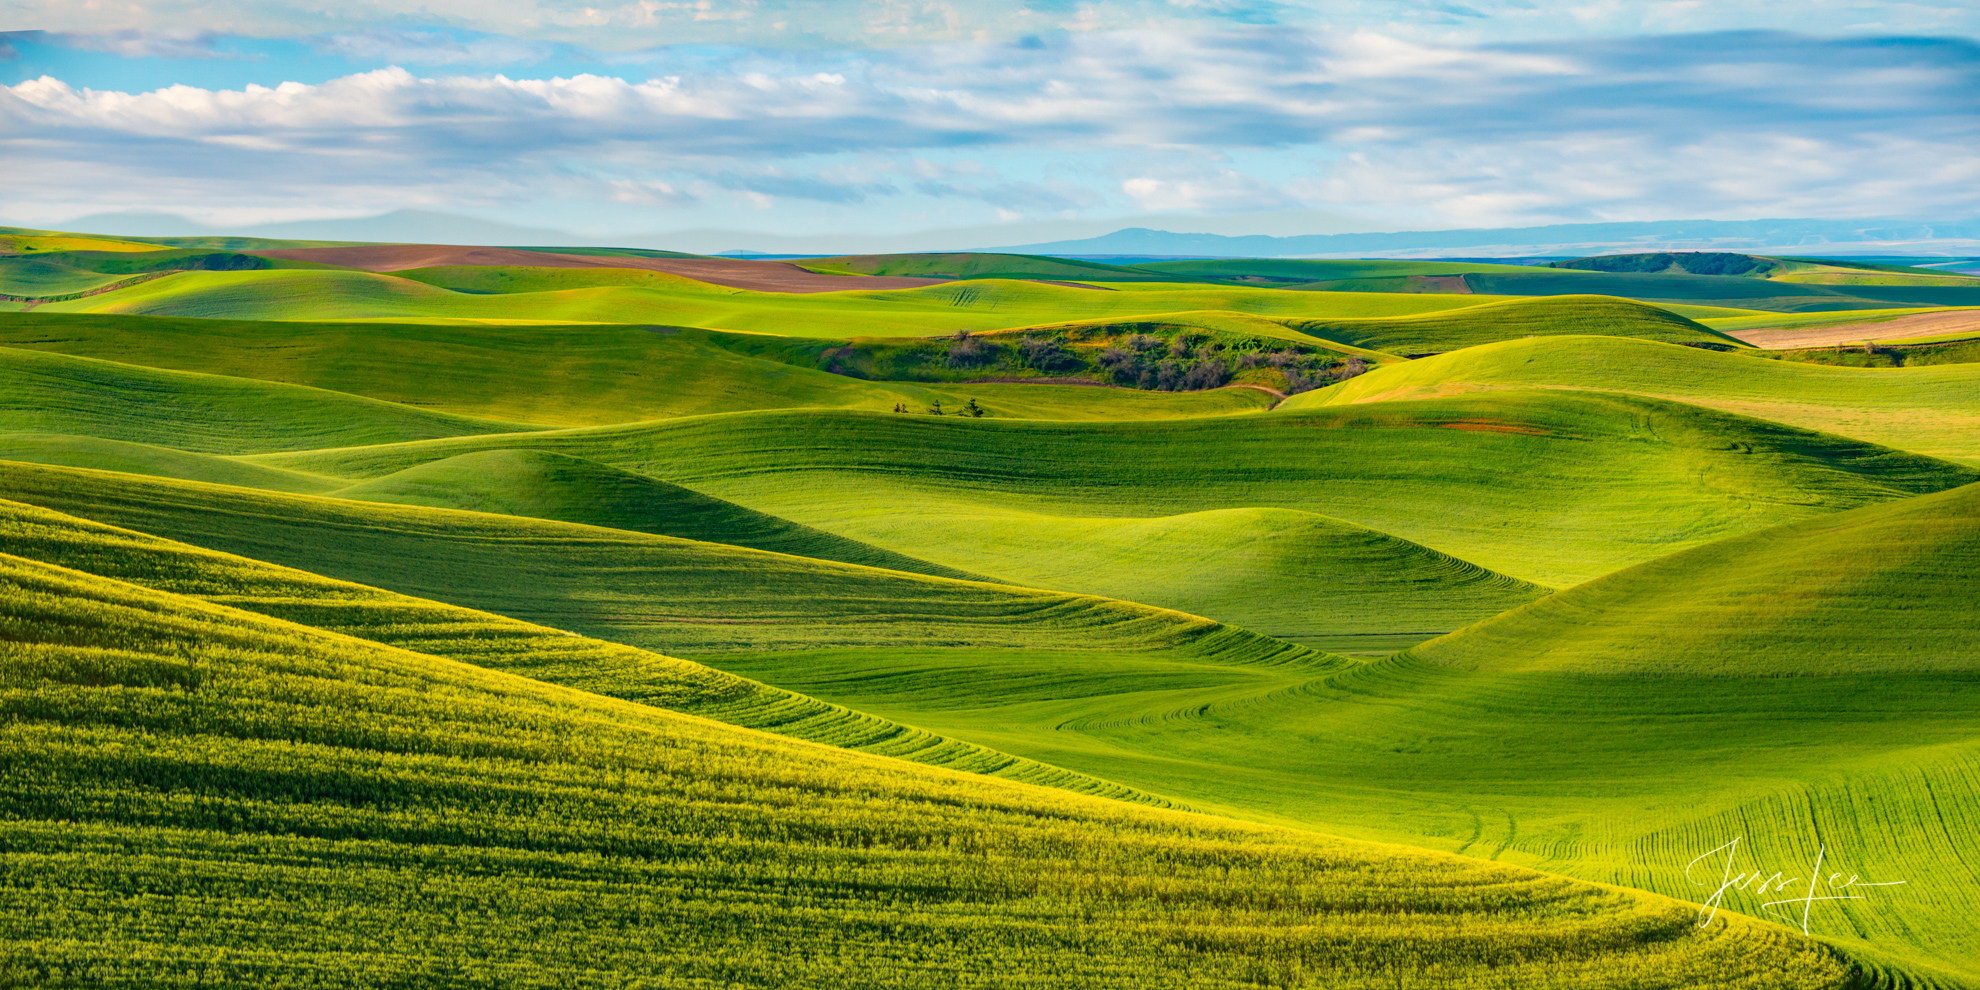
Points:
(1041, 623)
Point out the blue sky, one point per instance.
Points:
(1050, 119)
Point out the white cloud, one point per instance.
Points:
(1224, 191)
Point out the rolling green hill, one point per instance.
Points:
(1810, 686)
(588, 627)
(24, 240)
(988, 304)
(37, 278)
(543, 485)
(1930, 410)
(196, 789)
(561, 375)
(496, 643)
(164, 462)
(56, 393)
(1613, 480)
(967, 265)
(1880, 589)
(1291, 575)
(1265, 271)
(1718, 290)
(1482, 324)
(1868, 317)
(661, 593)
(503, 279)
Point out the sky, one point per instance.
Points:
(1043, 118)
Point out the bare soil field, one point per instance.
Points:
(1902, 328)
(761, 276)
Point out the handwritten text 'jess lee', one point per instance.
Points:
(1835, 888)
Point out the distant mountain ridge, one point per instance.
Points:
(1575, 239)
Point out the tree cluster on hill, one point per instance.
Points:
(1687, 262)
(1141, 356)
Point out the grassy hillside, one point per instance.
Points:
(662, 593)
(496, 643)
(502, 279)
(1879, 589)
(39, 278)
(989, 304)
(165, 462)
(981, 265)
(1291, 575)
(1269, 271)
(1612, 480)
(1449, 331)
(1869, 318)
(1184, 352)
(1930, 410)
(1824, 271)
(1716, 290)
(592, 627)
(544, 485)
(1805, 687)
(1923, 355)
(562, 375)
(27, 241)
(198, 788)
(56, 393)
(1679, 263)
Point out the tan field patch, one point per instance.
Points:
(1902, 328)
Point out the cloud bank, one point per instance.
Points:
(1728, 124)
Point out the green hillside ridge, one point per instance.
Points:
(199, 789)
(1290, 575)
(163, 462)
(36, 278)
(544, 485)
(1929, 410)
(1186, 352)
(1302, 270)
(1679, 263)
(27, 240)
(43, 392)
(1879, 589)
(989, 304)
(609, 252)
(548, 655)
(504, 279)
(973, 265)
(1920, 355)
(600, 627)
(1623, 776)
(1558, 315)
(1720, 290)
(1613, 480)
(661, 593)
(562, 375)
(1869, 318)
